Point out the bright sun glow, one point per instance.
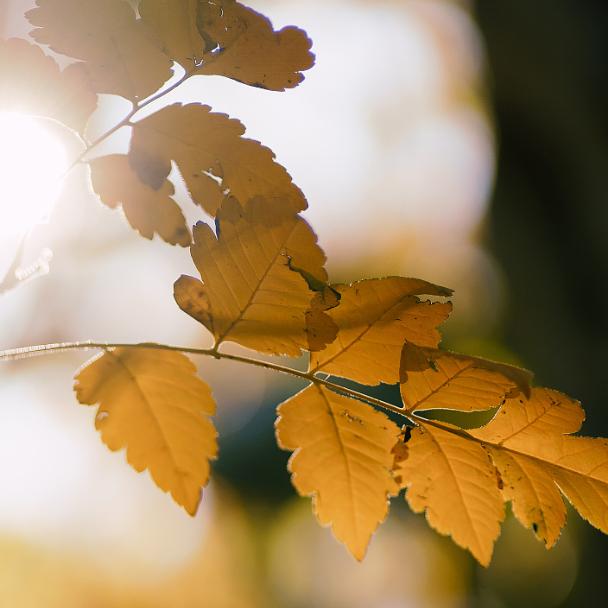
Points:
(32, 161)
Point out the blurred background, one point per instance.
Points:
(461, 142)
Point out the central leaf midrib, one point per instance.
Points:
(440, 387)
(357, 338)
(154, 417)
(460, 492)
(346, 461)
(256, 287)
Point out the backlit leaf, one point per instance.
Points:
(533, 457)
(32, 83)
(212, 156)
(535, 499)
(433, 379)
(152, 403)
(375, 318)
(452, 480)
(149, 211)
(121, 54)
(263, 285)
(342, 458)
(531, 445)
(250, 292)
(242, 44)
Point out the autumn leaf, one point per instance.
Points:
(152, 403)
(434, 379)
(252, 292)
(342, 458)
(265, 287)
(526, 454)
(453, 481)
(242, 44)
(375, 318)
(212, 156)
(122, 56)
(174, 21)
(32, 83)
(149, 211)
(531, 444)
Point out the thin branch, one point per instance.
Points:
(48, 349)
(412, 419)
(126, 121)
(10, 280)
(164, 92)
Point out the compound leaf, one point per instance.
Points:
(212, 156)
(342, 458)
(264, 286)
(149, 211)
(242, 44)
(254, 289)
(32, 83)
(121, 54)
(375, 318)
(152, 403)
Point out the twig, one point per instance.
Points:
(48, 349)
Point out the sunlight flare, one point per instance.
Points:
(32, 162)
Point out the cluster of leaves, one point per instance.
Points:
(263, 285)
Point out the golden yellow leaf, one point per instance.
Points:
(521, 422)
(32, 83)
(535, 499)
(121, 54)
(530, 443)
(174, 21)
(250, 292)
(453, 481)
(149, 211)
(212, 156)
(152, 403)
(242, 44)
(375, 317)
(342, 458)
(433, 379)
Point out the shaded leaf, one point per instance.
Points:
(320, 327)
(250, 294)
(433, 379)
(242, 44)
(452, 480)
(342, 458)
(121, 54)
(149, 211)
(152, 403)
(32, 83)
(531, 445)
(174, 21)
(212, 156)
(375, 317)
